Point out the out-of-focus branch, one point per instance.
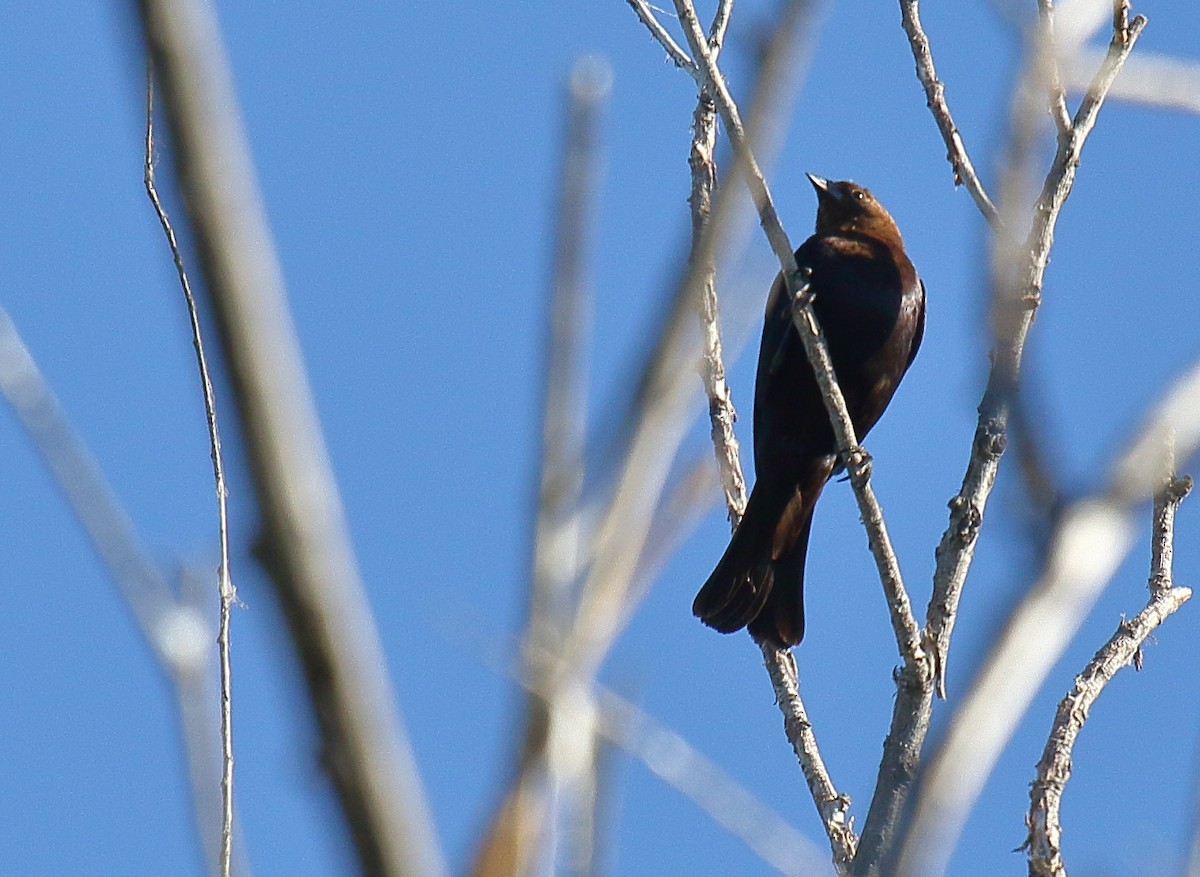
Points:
(226, 592)
(176, 630)
(306, 545)
(1044, 843)
(674, 760)
(671, 758)
(516, 841)
(935, 97)
(1153, 80)
(77, 474)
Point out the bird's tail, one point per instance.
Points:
(752, 587)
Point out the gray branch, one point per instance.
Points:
(306, 546)
(935, 97)
(1044, 843)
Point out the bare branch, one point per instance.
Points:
(917, 672)
(720, 24)
(833, 807)
(306, 546)
(721, 412)
(1054, 768)
(898, 770)
(225, 589)
(1123, 648)
(1047, 65)
(677, 55)
(935, 96)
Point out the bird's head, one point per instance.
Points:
(844, 206)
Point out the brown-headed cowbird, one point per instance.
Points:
(871, 305)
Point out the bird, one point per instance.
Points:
(870, 304)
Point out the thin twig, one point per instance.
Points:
(1162, 542)
(306, 546)
(227, 593)
(935, 95)
(1044, 843)
(721, 413)
(677, 55)
(1047, 66)
(833, 807)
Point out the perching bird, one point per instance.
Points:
(871, 305)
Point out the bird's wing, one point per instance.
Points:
(919, 333)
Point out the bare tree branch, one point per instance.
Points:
(1046, 64)
(721, 413)
(225, 589)
(935, 96)
(306, 546)
(677, 55)
(1123, 648)
(832, 806)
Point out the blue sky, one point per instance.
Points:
(407, 155)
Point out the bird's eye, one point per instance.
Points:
(860, 195)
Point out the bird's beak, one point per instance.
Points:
(819, 183)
